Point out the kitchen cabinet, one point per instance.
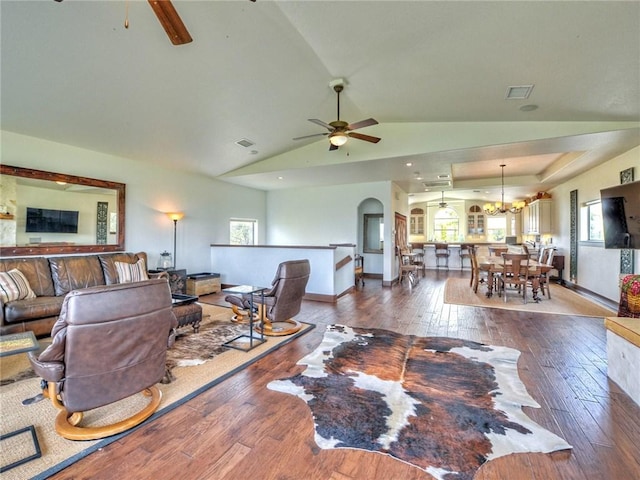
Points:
(475, 221)
(538, 217)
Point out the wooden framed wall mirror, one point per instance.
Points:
(44, 213)
(373, 233)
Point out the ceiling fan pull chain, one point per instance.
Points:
(126, 13)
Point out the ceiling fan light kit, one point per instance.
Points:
(442, 204)
(338, 138)
(340, 131)
(499, 207)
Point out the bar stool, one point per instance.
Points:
(465, 252)
(442, 253)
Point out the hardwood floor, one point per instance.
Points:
(240, 429)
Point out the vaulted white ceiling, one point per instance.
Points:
(434, 74)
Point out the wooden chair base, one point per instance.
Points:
(66, 422)
(241, 316)
(279, 329)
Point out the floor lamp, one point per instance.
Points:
(175, 216)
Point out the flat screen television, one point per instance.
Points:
(621, 215)
(51, 221)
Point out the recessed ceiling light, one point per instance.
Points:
(528, 108)
(280, 178)
(408, 164)
(418, 178)
(518, 92)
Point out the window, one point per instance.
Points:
(243, 232)
(496, 229)
(446, 225)
(591, 222)
(417, 222)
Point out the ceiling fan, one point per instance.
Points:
(170, 21)
(340, 131)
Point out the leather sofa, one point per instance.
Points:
(51, 278)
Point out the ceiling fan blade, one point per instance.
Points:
(170, 21)
(362, 123)
(332, 147)
(321, 123)
(366, 138)
(309, 136)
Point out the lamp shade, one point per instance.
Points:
(175, 216)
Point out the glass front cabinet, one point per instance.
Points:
(475, 221)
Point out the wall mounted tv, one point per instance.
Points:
(621, 215)
(51, 221)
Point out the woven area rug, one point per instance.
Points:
(563, 301)
(197, 362)
(444, 405)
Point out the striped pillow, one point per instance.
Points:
(14, 286)
(131, 272)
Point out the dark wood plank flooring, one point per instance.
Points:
(240, 429)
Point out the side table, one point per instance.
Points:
(177, 279)
(253, 340)
(12, 345)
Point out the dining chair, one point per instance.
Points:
(515, 273)
(358, 269)
(417, 259)
(406, 269)
(546, 258)
(497, 250)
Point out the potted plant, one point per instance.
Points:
(630, 287)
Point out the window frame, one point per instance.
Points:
(453, 234)
(584, 224)
(254, 230)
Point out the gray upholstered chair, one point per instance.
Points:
(109, 343)
(282, 301)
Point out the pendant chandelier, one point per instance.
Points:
(499, 208)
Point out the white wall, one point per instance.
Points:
(324, 215)
(150, 191)
(598, 268)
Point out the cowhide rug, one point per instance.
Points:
(445, 405)
(196, 348)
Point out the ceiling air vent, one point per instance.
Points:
(245, 143)
(519, 92)
(437, 183)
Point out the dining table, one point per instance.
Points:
(496, 265)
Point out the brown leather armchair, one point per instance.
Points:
(282, 301)
(109, 343)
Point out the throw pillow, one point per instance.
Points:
(14, 286)
(131, 272)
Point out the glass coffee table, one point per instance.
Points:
(248, 342)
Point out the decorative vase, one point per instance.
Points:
(166, 261)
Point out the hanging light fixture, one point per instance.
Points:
(499, 207)
(442, 204)
(338, 138)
